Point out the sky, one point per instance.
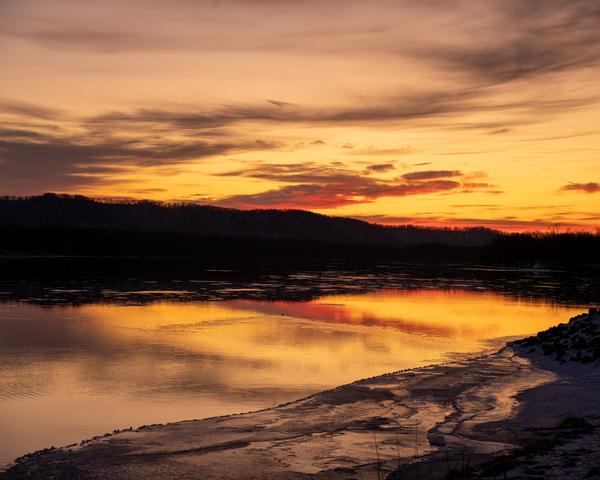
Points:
(436, 112)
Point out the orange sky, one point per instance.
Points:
(435, 112)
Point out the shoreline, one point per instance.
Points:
(477, 409)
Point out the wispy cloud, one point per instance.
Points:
(590, 187)
(30, 110)
(436, 79)
(315, 196)
(374, 151)
(380, 167)
(423, 106)
(506, 39)
(315, 186)
(38, 160)
(430, 174)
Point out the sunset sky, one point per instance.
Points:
(436, 112)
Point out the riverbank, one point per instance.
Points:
(520, 408)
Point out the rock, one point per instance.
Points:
(436, 439)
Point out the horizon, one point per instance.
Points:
(553, 229)
(390, 112)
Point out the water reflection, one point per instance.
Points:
(72, 372)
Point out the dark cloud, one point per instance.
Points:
(383, 110)
(118, 143)
(292, 197)
(29, 110)
(430, 174)
(515, 41)
(316, 186)
(518, 38)
(380, 167)
(420, 107)
(525, 39)
(34, 161)
(314, 196)
(590, 187)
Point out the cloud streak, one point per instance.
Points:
(431, 174)
(424, 106)
(590, 187)
(314, 186)
(35, 161)
(380, 167)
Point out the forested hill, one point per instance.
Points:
(52, 211)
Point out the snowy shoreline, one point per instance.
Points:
(477, 410)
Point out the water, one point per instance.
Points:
(81, 365)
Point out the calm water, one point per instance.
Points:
(70, 372)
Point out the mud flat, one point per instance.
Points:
(531, 410)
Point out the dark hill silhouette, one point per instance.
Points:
(78, 212)
(63, 235)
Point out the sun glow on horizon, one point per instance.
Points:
(391, 112)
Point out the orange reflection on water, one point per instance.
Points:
(112, 366)
(447, 313)
(330, 340)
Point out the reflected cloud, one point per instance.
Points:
(169, 361)
(342, 314)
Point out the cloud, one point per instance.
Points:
(384, 109)
(590, 187)
(110, 146)
(315, 186)
(477, 185)
(521, 40)
(476, 49)
(506, 40)
(418, 108)
(430, 174)
(383, 151)
(333, 195)
(492, 67)
(380, 167)
(35, 161)
(28, 110)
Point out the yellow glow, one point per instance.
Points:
(99, 367)
(331, 334)
(404, 83)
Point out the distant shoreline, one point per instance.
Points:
(53, 278)
(77, 226)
